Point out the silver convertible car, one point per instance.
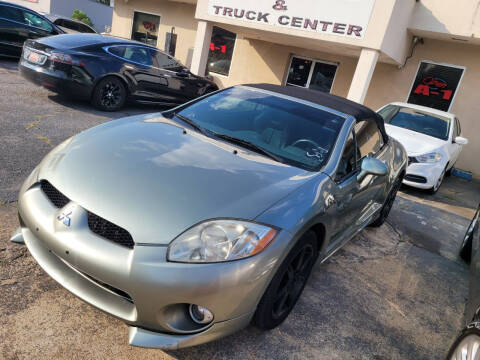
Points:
(191, 223)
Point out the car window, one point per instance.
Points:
(348, 161)
(167, 62)
(416, 120)
(85, 29)
(11, 13)
(369, 138)
(36, 21)
(299, 134)
(136, 54)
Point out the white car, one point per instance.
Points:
(432, 140)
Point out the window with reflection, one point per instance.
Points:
(221, 51)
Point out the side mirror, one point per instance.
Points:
(372, 166)
(461, 140)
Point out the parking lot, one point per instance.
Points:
(396, 292)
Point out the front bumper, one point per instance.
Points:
(138, 285)
(429, 171)
(56, 81)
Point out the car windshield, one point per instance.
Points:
(288, 131)
(416, 120)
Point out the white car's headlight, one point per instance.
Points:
(220, 240)
(429, 158)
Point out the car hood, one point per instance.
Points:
(146, 175)
(414, 142)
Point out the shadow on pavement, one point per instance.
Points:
(454, 191)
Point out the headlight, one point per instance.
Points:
(429, 158)
(220, 240)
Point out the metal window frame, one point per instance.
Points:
(310, 74)
(231, 60)
(148, 13)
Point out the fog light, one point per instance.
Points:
(200, 314)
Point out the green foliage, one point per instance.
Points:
(81, 16)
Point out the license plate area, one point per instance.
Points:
(34, 57)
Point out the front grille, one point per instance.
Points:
(109, 231)
(55, 196)
(98, 225)
(415, 178)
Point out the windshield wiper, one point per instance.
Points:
(249, 145)
(191, 123)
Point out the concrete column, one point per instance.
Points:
(363, 75)
(200, 51)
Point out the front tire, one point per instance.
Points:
(433, 190)
(287, 284)
(109, 94)
(385, 211)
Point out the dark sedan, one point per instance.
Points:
(467, 344)
(107, 71)
(17, 24)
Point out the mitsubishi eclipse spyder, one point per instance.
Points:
(191, 223)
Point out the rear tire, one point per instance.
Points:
(109, 94)
(383, 215)
(287, 284)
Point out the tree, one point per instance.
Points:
(81, 16)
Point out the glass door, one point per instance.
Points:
(312, 74)
(145, 28)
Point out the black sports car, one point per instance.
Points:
(108, 71)
(467, 344)
(17, 24)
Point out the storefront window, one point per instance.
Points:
(221, 51)
(145, 28)
(311, 74)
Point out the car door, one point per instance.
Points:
(356, 201)
(182, 85)
(139, 67)
(13, 30)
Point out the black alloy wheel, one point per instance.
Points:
(387, 206)
(109, 94)
(287, 284)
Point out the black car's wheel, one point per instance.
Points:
(287, 284)
(109, 94)
(467, 345)
(387, 206)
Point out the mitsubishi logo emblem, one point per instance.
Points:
(65, 217)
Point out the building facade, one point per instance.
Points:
(100, 12)
(370, 51)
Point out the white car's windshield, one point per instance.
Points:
(292, 132)
(416, 120)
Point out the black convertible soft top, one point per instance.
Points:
(359, 112)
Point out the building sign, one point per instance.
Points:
(435, 85)
(336, 17)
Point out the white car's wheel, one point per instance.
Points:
(435, 188)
